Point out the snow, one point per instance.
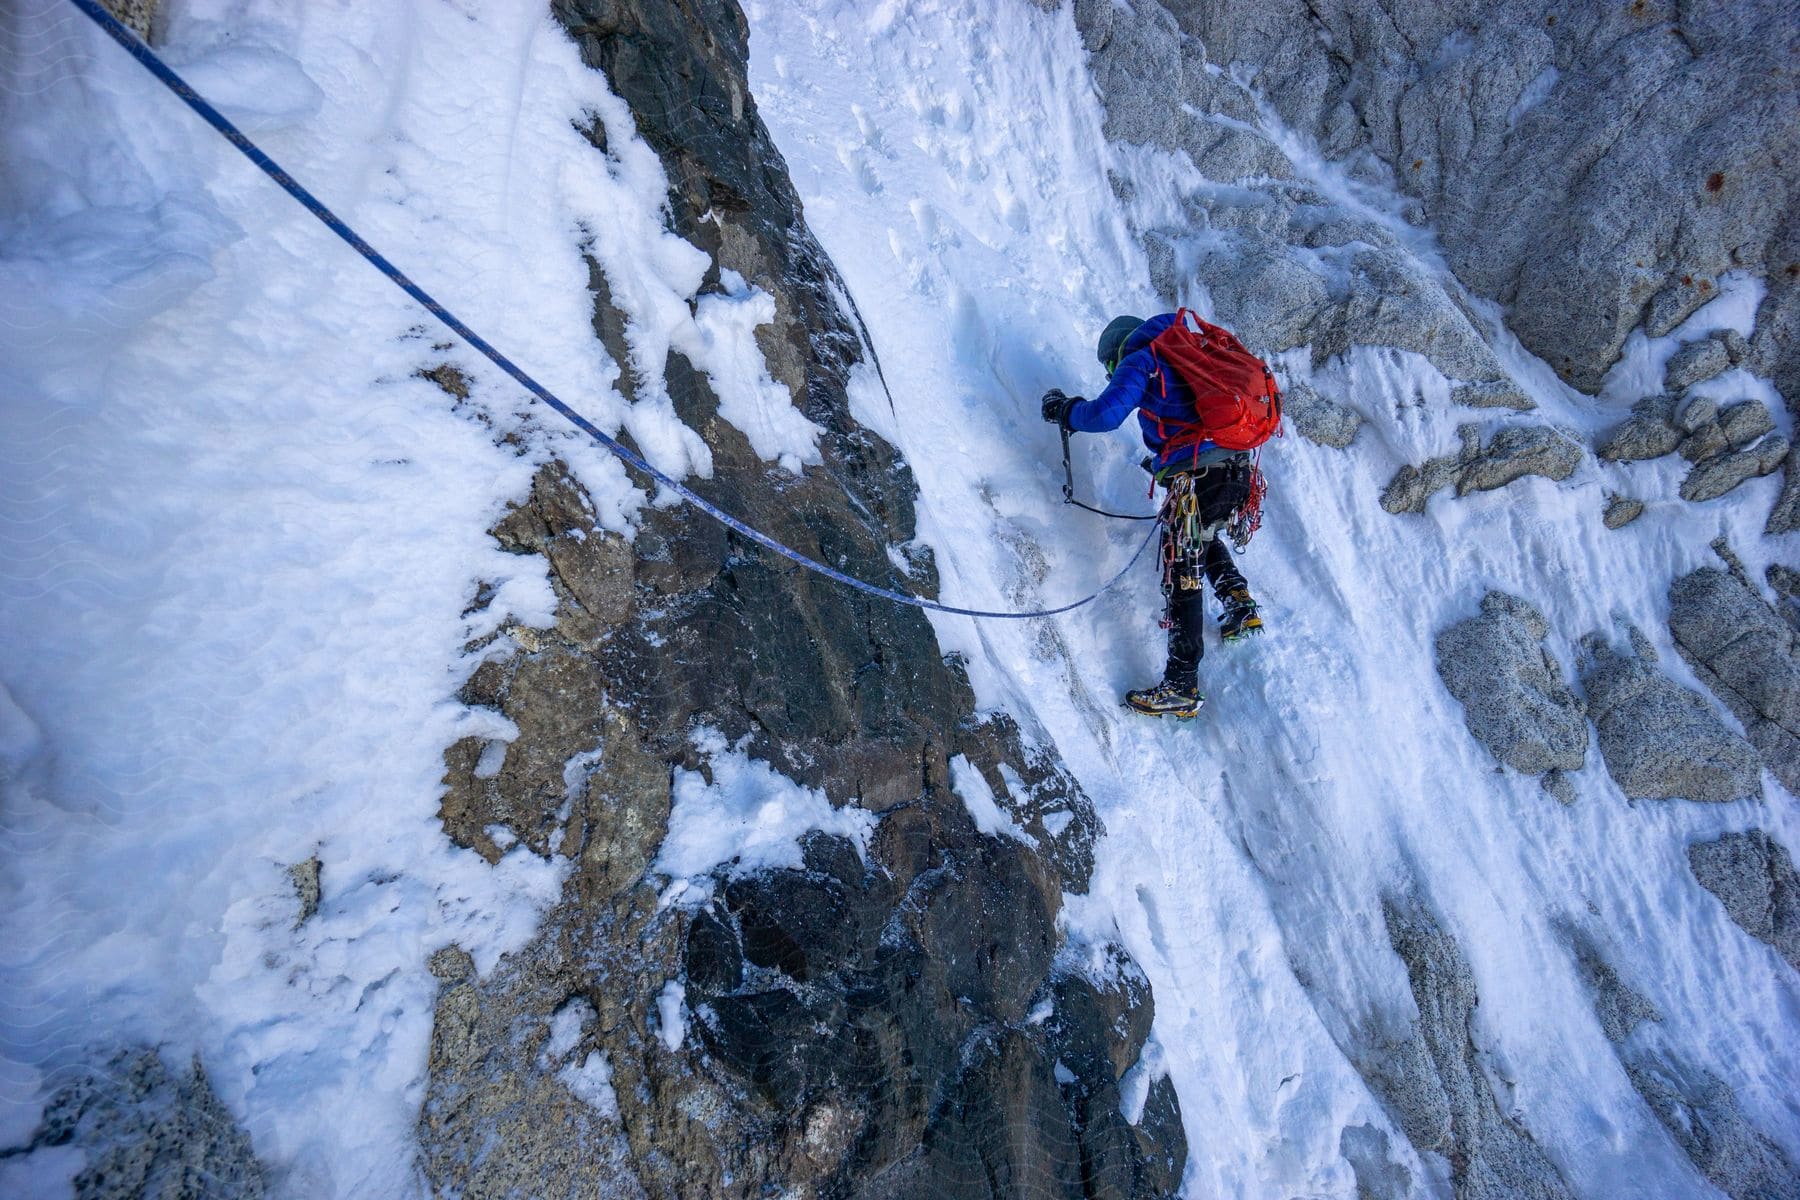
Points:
(671, 1014)
(747, 816)
(566, 1025)
(1532, 95)
(242, 533)
(725, 348)
(589, 1077)
(591, 1082)
(978, 798)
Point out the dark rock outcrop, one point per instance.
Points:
(889, 1023)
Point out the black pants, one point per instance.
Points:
(1187, 612)
(1218, 493)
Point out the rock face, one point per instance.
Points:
(138, 15)
(1591, 170)
(1695, 363)
(1661, 741)
(898, 1022)
(1753, 876)
(1512, 692)
(1154, 78)
(1650, 432)
(1435, 1081)
(1785, 516)
(150, 1134)
(1747, 655)
(1513, 453)
(1621, 511)
(1727, 447)
(1318, 418)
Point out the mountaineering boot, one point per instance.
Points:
(1166, 700)
(1239, 620)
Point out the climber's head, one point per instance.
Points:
(1112, 341)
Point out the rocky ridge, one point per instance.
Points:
(899, 1021)
(1508, 126)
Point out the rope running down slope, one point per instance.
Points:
(167, 76)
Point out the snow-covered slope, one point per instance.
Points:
(950, 161)
(246, 556)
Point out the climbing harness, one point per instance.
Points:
(1069, 489)
(175, 83)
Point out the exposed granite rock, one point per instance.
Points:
(1620, 1009)
(1702, 1114)
(1650, 432)
(1513, 453)
(1694, 363)
(1518, 451)
(1514, 699)
(1786, 582)
(1621, 510)
(151, 1134)
(1319, 419)
(1785, 516)
(848, 1027)
(1586, 168)
(1494, 393)
(137, 15)
(1434, 1078)
(1714, 477)
(1753, 876)
(1695, 412)
(1411, 487)
(1661, 741)
(1157, 89)
(1744, 423)
(305, 877)
(1706, 440)
(1559, 787)
(1747, 655)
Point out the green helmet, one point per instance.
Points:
(1112, 340)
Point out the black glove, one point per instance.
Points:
(1057, 406)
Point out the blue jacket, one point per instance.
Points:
(1158, 395)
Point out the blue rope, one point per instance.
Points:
(138, 50)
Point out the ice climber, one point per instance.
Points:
(1203, 403)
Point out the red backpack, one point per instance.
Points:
(1236, 400)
